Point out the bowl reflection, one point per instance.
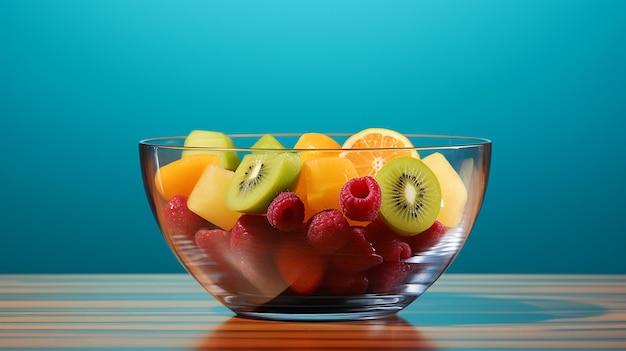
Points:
(390, 333)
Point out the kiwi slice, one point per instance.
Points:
(259, 178)
(411, 195)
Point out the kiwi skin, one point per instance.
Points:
(411, 195)
(259, 178)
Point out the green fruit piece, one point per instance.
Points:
(204, 138)
(411, 195)
(259, 178)
(267, 141)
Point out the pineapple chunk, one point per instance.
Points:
(207, 197)
(453, 191)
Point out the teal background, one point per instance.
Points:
(81, 82)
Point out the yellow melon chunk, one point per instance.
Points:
(324, 177)
(453, 191)
(180, 176)
(207, 198)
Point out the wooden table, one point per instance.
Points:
(171, 312)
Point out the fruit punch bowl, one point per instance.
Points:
(315, 226)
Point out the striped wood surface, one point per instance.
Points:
(171, 312)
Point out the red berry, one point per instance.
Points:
(426, 239)
(178, 218)
(386, 242)
(387, 277)
(300, 266)
(215, 243)
(252, 242)
(340, 283)
(252, 237)
(360, 199)
(213, 239)
(377, 231)
(357, 255)
(328, 231)
(393, 250)
(286, 212)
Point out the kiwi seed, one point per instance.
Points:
(411, 195)
(259, 178)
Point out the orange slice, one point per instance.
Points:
(382, 143)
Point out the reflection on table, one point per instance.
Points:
(172, 312)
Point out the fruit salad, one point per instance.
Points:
(313, 218)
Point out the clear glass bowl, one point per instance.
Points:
(253, 288)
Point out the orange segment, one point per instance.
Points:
(368, 162)
(316, 141)
(180, 176)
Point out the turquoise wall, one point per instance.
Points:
(81, 82)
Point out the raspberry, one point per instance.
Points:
(387, 276)
(252, 237)
(252, 243)
(212, 239)
(179, 220)
(340, 283)
(357, 255)
(286, 212)
(426, 239)
(360, 199)
(386, 242)
(393, 250)
(328, 231)
(215, 243)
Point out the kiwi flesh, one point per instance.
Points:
(259, 178)
(411, 195)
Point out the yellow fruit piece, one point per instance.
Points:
(300, 190)
(180, 176)
(207, 198)
(368, 162)
(316, 141)
(324, 177)
(453, 191)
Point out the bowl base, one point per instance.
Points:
(321, 308)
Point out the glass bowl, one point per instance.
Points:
(259, 268)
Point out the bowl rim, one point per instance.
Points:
(459, 142)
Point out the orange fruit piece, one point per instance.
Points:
(316, 141)
(180, 176)
(324, 177)
(381, 143)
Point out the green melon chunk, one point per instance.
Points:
(267, 141)
(204, 138)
